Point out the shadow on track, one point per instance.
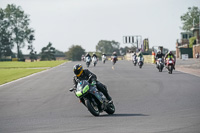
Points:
(122, 115)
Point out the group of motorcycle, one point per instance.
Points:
(138, 60)
(94, 60)
(169, 64)
(88, 60)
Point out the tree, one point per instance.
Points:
(108, 47)
(18, 26)
(59, 53)
(126, 49)
(6, 43)
(48, 52)
(32, 54)
(75, 52)
(190, 16)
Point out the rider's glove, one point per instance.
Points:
(93, 83)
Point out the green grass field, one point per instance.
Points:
(10, 71)
(7, 75)
(13, 64)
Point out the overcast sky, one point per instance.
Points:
(86, 22)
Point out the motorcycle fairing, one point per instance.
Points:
(80, 90)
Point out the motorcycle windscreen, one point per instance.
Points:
(81, 89)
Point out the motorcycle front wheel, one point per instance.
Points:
(170, 69)
(94, 110)
(110, 109)
(160, 68)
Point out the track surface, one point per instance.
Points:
(147, 101)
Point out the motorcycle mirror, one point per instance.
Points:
(71, 89)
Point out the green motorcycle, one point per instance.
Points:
(92, 98)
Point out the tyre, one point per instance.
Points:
(160, 68)
(140, 65)
(94, 110)
(170, 69)
(88, 64)
(110, 109)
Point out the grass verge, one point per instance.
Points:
(7, 65)
(10, 71)
(7, 75)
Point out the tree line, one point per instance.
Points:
(104, 46)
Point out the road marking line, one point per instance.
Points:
(113, 68)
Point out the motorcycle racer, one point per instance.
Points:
(170, 55)
(84, 74)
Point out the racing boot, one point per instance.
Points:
(108, 97)
(104, 90)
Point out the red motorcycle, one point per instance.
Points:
(114, 59)
(170, 65)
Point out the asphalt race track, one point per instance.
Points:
(146, 101)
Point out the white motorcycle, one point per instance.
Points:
(140, 62)
(94, 60)
(87, 60)
(134, 58)
(160, 64)
(103, 59)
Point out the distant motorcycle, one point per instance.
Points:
(140, 61)
(83, 58)
(87, 60)
(114, 59)
(160, 64)
(170, 65)
(134, 59)
(94, 60)
(103, 59)
(93, 99)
